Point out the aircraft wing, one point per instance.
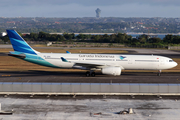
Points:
(87, 64)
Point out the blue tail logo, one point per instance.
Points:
(18, 43)
(63, 59)
(122, 57)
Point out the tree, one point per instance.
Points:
(105, 38)
(53, 37)
(176, 39)
(69, 36)
(59, 38)
(112, 38)
(43, 35)
(81, 36)
(143, 38)
(155, 40)
(134, 41)
(5, 39)
(121, 38)
(95, 38)
(168, 38)
(34, 36)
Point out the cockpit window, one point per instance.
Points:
(171, 61)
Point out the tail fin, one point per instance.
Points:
(19, 44)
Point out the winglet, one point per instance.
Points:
(63, 59)
(68, 52)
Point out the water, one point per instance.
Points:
(158, 35)
(133, 35)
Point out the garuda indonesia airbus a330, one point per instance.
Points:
(109, 64)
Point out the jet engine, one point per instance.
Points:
(111, 71)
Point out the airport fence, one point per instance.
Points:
(89, 88)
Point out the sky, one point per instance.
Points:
(86, 8)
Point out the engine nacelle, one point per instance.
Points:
(111, 71)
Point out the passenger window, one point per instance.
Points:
(170, 60)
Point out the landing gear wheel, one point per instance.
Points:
(88, 74)
(93, 74)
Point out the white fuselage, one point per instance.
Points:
(127, 62)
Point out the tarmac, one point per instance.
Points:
(79, 77)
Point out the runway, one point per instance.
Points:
(79, 77)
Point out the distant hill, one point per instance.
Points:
(91, 25)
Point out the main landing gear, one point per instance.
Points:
(92, 74)
(159, 73)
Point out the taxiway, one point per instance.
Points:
(79, 77)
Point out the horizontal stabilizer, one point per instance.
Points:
(22, 56)
(68, 52)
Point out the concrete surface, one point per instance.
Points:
(84, 109)
(79, 77)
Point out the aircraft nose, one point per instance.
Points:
(175, 64)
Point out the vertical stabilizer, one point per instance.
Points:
(19, 44)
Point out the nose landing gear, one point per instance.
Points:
(159, 73)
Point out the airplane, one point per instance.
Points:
(109, 64)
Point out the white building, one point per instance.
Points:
(3, 34)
